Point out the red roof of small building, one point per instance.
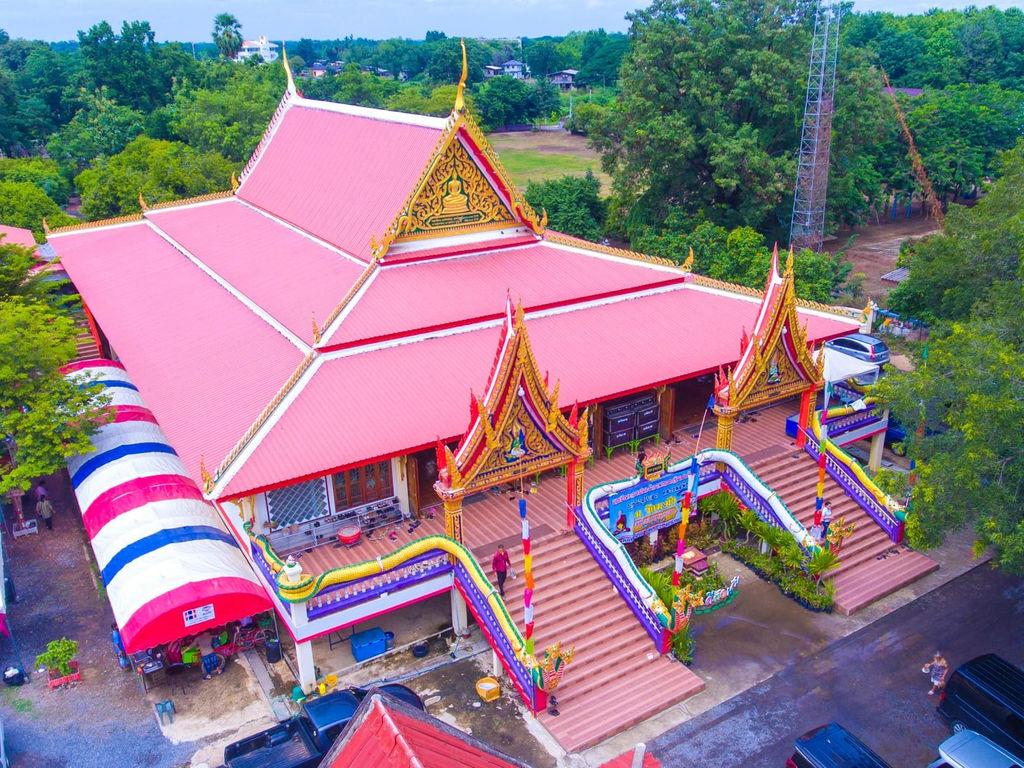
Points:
(339, 172)
(387, 733)
(17, 235)
(375, 402)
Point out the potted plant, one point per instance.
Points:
(59, 660)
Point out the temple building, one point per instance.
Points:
(369, 330)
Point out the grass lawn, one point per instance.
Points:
(538, 156)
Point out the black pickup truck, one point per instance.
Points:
(303, 740)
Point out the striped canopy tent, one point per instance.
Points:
(170, 566)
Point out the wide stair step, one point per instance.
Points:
(870, 566)
(616, 678)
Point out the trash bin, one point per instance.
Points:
(273, 647)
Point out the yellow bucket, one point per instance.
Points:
(488, 689)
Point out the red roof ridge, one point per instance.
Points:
(222, 471)
(237, 294)
(299, 230)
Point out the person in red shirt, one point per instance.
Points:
(501, 564)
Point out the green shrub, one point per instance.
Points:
(683, 645)
(58, 655)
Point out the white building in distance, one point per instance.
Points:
(259, 47)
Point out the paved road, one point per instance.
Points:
(870, 681)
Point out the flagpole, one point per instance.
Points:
(692, 485)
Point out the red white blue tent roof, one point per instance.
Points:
(170, 566)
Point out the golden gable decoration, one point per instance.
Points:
(456, 194)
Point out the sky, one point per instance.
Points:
(192, 20)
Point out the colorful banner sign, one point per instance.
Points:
(647, 506)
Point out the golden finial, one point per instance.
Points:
(288, 70)
(46, 227)
(789, 261)
(142, 202)
(688, 264)
(317, 330)
(544, 218)
(460, 93)
(234, 182)
(205, 475)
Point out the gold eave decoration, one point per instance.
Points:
(518, 429)
(775, 361)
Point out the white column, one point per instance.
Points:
(496, 668)
(307, 667)
(460, 617)
(877, 446)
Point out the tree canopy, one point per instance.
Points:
(45, 417)
(573, 204)
(159, 170)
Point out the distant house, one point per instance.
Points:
(492, 70)
(565, 80)
(516, 69)
(261, 47)
(317, 70)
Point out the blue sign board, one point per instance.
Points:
(647, 506)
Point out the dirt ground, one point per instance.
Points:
(541, 155)
(499, 723)
(872, 249)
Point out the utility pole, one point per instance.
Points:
(807, 228)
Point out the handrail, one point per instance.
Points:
(489, 608)
(877, 502)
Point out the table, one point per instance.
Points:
(695, 561)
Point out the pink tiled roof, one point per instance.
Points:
(431, 294)
(204, 362)
(342, 177)
(17, 235)
(291, 276)
(420, 391)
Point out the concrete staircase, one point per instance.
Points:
(871, 566)
(85, 345)
(617, 678)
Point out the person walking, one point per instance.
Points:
(501, 564)
(45, 511)
(936, 670)
(40, 491)
(115, 640)
(826, 519)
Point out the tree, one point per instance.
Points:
(573, 204)
(544, 58)
(43, 173)
(438, 102)
(951, 272)
(544, 100)
(504, 101)
(136, 71)
(227, 34)
(228, 119)
(352, 86)
(23, 204)
(306, 50)
(100, 127)
(707, 121)
(964, 403)
(446, 61)
(45, 416)
(601, 57)
(159, 170)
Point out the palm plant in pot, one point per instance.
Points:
(59, 660)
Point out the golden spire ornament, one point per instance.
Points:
(460, 93)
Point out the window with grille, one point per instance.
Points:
(298, 503)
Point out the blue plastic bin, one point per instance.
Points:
(369, 643)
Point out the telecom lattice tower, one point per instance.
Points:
(807, 229)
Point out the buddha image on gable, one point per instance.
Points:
(455, 199)
(774, 374)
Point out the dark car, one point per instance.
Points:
(832, 746)
(987, 695)
(303, 740)
(861, 346)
